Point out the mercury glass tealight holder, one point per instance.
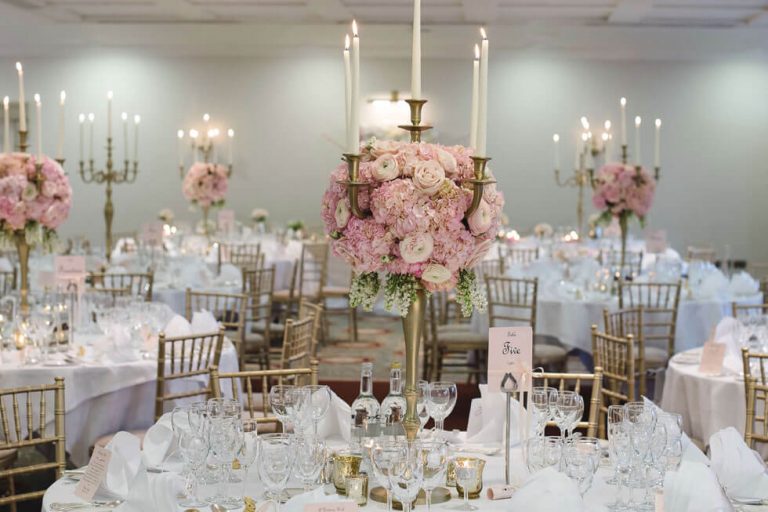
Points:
(345, 463)
(469, 474)
(357, 488)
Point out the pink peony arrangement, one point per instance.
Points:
(416, 233)
(206, 184)
(32, 199)
(623, 190)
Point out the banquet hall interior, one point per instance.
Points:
(518, 263)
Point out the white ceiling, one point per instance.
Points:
(650, 13)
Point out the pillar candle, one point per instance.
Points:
(22, 100)
(6, 126)
(60, 139)
(354, 119)
(556, 140)
(124, 117)
(482, 123)
(623, 103)
(91, 119)
(656, 145)
(347, 90)
(81, 120)
(136, 121)
(638, 122)
(416, 52)
(109, 114)
(475, 98)
(39, 127)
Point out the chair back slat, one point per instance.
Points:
(312, 271)
(633, 261)
(243, 255)
(511, 301)
(489, 267)
(138, 284)
(297, 343)
(573, 381)
(316, 311)
(705, 254)
(512, 256)
(744, 311)
(660, 303)
(615, 355)
(227, 308)
(756, 394)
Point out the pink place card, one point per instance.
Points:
(152, 233)
(712, 356)
(226, 220)
(69, 265)
(94, 475)
(655, 241)
(510, 358)
(332, 506)
(659, 501)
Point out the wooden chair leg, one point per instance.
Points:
(353, 324)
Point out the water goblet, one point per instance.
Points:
(194, 450)
(441, 399)
(310, 458)
(543, 452)
(435, 460)
(580, 465)
(281, 399)
(319, 402)
(577, 415)
(406, 476)
(276, 459)
(383, 455)
(615, 418)
(543, 400)
(620, 446)
(224, 442)
(566, 408)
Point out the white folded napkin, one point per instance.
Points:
(727, 333)
(548, 491)
(490, 429)
(158, 442)
(691, 452)
(177, 326)
(203, 322)
(739, 469)
(743, 284)
(157, 491)
(694, 488)
(337, 421)
(123, 464)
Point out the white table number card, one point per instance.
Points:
(94, 474)
(712, 356)
(333, 506)
(69, 270)
(226, 221)
(510, 358)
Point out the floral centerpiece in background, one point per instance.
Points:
(295, 229)
(621, 191)
(166, 215)
(416, 235)
(35, 200)
(206, 185)
(259, 217)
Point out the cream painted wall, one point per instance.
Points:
(287, 111)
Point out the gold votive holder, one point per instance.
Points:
(345, 463)
(450, 474)
(357, 488)
(469, 474)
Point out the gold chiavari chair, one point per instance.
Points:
(112, 293)
(756, 391)
(23, 415)
(255, 398)
(633, 260)
(574, 381)
(297, 343)
(185, 357)
(764, 288)
(7, 282)
(227, 308)
(629, 322)
(489, 267)
(615, 355)
(518, 255)
(337, 293)
(447, 346)
(308, 277)
(660, 303)
(241, 255)
(740, 311)
(137, 283)
(694, 253)
(317, 312)
(512, 302)
(260, 329)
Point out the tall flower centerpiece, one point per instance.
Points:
(205, 185)
(622, 191)
(35, 198)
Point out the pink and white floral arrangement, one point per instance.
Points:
(623, 190)
(33, 203)
(415, 235)
(206, 184)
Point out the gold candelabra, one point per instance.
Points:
(203, 146)
(109, 176)
(581, 177)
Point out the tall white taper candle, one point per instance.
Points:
(81, 120)
(623, 103)
(60, 138)
(657, 144)
(136, 121)
(39, 127)
(556, 140)
(482, 123)
(638, 153)
(22, 99)
(416, 52)
(354, 119)
(6, 126)
(347, 92)
(475, 98)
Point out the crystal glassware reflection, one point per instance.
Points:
(194, 451)
(441, 399)
(580, 465)
(406, 476)
(383, 457)
(566, 409)
(281, 399)
(224, 441)
(543, 401)
(466, 474)
(434, 456)
(310, 457)
(422, 391)
(276, 459)
(319, 402)
(543, 452)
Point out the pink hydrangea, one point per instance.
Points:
(624, 189)
(30, 195)
(400, 208)
(206, 184)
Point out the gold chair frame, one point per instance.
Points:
(756, 392)
(615, 355)
(656, 299)
(575, 380)
(137, 283)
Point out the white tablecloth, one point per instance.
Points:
(102, 398)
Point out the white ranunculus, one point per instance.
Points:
(416, 248)
(436, 274)
(428, 176)
(447, 160)
(480, 221)
(385, 168)
(342, 214)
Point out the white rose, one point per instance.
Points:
(416, 248)
(480, 221)
(436, 274)
(447, 160)
(385, 168)
(342, 214)
(428, 176)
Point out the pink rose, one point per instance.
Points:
(416, 248)
(383, 147)
(428, 176)
(480, 221)
(385, 168)
(447, 161)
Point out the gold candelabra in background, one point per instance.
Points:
(202, 145)
(109, 176)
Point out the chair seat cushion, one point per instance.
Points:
(655, 357)
(103, 441)
(7, 457)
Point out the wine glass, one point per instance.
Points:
(384, 453)
(406, 476)
(542, 452)
(249, 447)
(224, 442)
(276, 458)
(543, 400)
(577, 415)
(641, 419)
(310, 458)
(197, 414)
(422, 392)
(673, 453)
(441, 399)
(194, 450)
(566, 407)
(319, 402)
(615, 419)
(434, 456)
(281, 398)
(580, 465)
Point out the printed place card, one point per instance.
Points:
(226, 220)
(69, 265)
(332, 506)
(510, 358)
(94, 474)
(152, 233)
(712, 358)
